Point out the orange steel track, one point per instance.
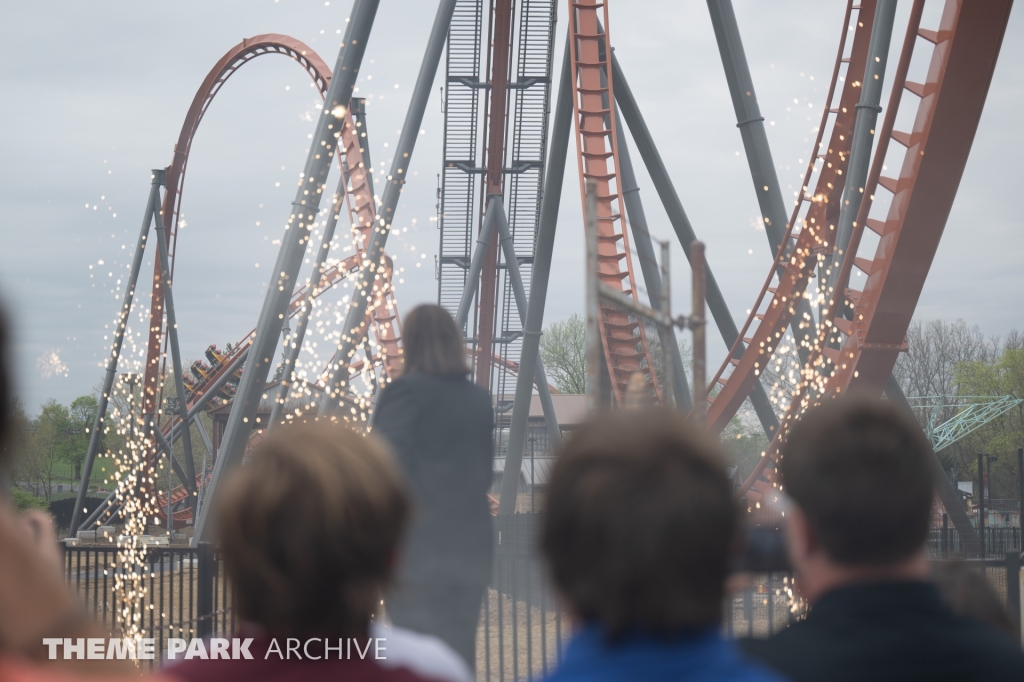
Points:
(625, 346)
(864, 331)
(795, 267)
(359, 201)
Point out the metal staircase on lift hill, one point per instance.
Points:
(524, 162)
(457, 210)
(526, 127)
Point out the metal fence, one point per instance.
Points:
(180, 592)
(522, 632)
(945, 543)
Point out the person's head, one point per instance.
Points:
(432, 344)
(309, 528)
(640, 523)
(859, 474)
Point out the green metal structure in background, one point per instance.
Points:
(973, 412)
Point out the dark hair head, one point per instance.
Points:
(859, 469)
(431, 343)
(639, 525)
(309, 528)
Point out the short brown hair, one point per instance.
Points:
(309, 528)
(859, 469)
(640, 522)
(432, 344)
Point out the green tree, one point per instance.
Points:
(23, 500)
(48, 444)
(563, 348)
(1002, 436)
(81, 416)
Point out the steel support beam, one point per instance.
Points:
(949, 495)
(637, 220)
(684, 231)
(529, 356)
(750, 121)
(205, 436)
(294, 342)
(115, 352)
(355, 326)
(759, 155)
(494, 217)
(171, 459)
(864, 126)
(305, 207)
(193, 412)
(483, 243)
(179, 378)
(516, 278)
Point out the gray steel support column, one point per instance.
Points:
(354, 328)
(175, 430)
(949, 495)
(179, 378)
(529, 355)
(516, 277)
(115, 352)
(637, 220)
(868, 109)
(205, 436)
(750, 121)
(305, 207)
(359, 115)
(483, 241)
(173, 465)
(494, 216)
(294, 341)
(684, 231)
(172, 460)
(759, 155)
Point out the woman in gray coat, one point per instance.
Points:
(440, 427)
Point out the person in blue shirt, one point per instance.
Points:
(638, 534)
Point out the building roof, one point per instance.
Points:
(536, 471)
(570, 409)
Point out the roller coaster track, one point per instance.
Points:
(863, 331)
(774, 307)
(359, 201)
(625, 346)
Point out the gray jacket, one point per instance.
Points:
(441, 431)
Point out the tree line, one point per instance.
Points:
(943, 360)
(50, 448)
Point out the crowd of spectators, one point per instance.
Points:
(332, 537)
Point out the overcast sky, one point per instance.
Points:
(94, 95)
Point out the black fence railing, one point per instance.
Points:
(523, 632)
(172, 592)
(184, 592)
(945, 543)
